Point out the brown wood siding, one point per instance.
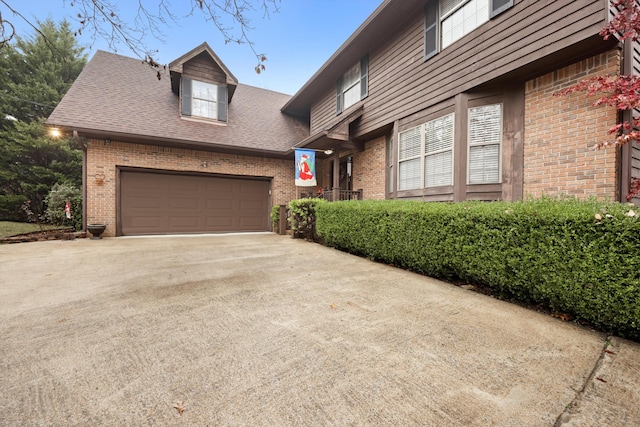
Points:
(169, 203)
(402, 83)
(203, 68)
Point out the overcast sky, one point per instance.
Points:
(296, 41)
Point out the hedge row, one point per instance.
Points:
(578, 257)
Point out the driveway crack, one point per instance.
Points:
(574, 405)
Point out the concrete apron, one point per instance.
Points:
(267, 330)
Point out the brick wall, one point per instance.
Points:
(102, 161)
(369, 169)
(560, 133)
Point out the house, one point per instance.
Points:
(434, 100)
(453, 100)
(194, 151)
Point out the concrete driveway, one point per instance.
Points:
(265, 330)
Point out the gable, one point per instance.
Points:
(204, 69)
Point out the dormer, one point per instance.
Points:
(205, 85)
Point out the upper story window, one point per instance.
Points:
(425, 155)
(449, 20)
(353, 85)
(205, 100)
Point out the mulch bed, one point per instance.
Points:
(38, 236)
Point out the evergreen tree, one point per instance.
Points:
(35, 74)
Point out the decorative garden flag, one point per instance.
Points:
(67, 209)
(305, 168)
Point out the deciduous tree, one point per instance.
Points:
(103, 19)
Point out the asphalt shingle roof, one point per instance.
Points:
(121, 95)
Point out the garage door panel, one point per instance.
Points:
(183, 203)
(183, 222)
(163, 203)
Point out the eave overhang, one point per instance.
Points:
(176, 67)
(334, 137)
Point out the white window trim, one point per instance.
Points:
(469, 145)
(208, 101)
(423, 155)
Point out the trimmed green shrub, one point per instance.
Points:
(302, 217)
(56, 201)
(578, 257)
(275, 218)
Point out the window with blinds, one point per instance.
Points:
(438, 147)
(425, 155)
(485, 138)
(446, 21)
(409, 153)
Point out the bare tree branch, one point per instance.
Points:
(102, 19)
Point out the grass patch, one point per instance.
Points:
(10, 228)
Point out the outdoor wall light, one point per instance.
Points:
(107, 141)
(328, 152)
(55, 132)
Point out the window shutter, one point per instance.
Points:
(339, 95)
(222, 103)
(499, 6)
(364, 77)
(186, 96)
(431, 26)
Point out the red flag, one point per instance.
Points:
(67, 209)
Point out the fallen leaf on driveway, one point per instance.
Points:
(333, 306)
(600, 379)
(179, 407)
(609, 352)
(562, 316)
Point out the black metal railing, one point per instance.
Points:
(332, 196)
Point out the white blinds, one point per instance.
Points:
(438, 169)
(485, 136)
(425, 155)
(410, 147)
(438, 147)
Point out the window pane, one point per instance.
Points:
(464, 20)
(352, 96)
(351, 77)
(410, 144)
(484, 164)
(438, 169)
(203, 108)
(203, 90)
(485, 136)
(448, 5)
(438, 134)
(485, 124)
(409, 174)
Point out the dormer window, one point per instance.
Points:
(205, 100)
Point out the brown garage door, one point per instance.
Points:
(164, 203)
